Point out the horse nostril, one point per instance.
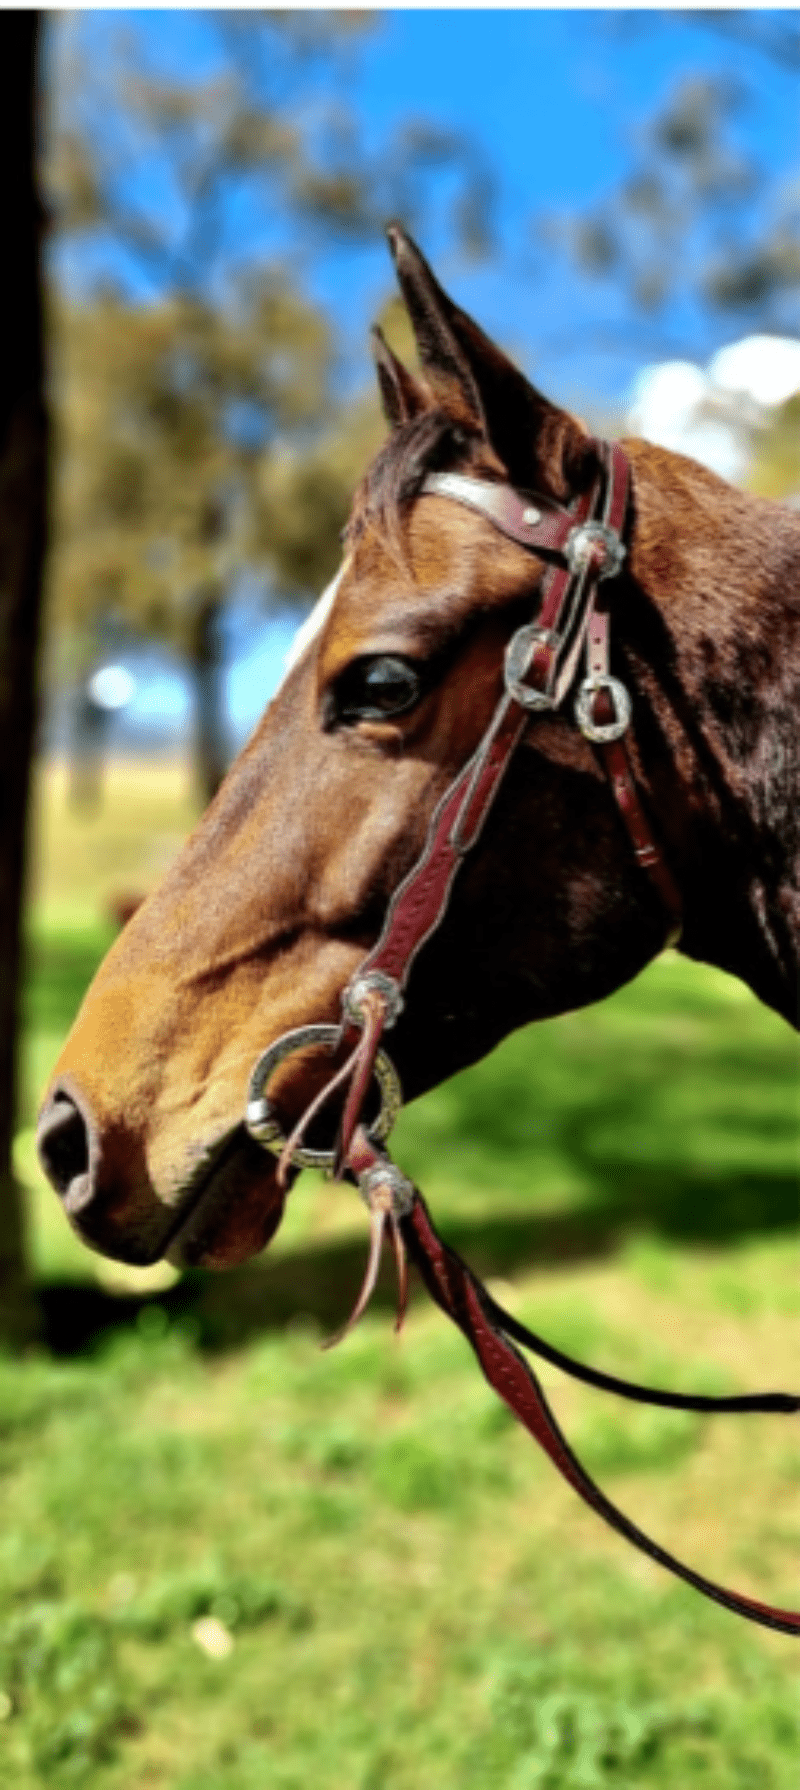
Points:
(63, 1144)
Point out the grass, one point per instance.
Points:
(405, 1593)
(232, 1562)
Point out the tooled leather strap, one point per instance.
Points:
(488, 1329)
(458, 1293)
(569, 611)
(366, 1159)
(421, 899)
(566, 615)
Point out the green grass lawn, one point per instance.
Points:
(229, 1561)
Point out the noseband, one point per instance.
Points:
(583, 548)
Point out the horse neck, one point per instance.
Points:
(721, 571)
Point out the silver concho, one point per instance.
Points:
(387, 1174)
(372, 982)
(260, 1119)
(581, 542)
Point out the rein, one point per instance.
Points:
(583, 547)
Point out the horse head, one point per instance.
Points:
(284, 887)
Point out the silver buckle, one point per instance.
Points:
(601, 732)
(519, 653)
(260, 1118)
(580, 545)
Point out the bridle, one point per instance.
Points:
(583, 547)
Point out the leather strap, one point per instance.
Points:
(567, 617)
(559, 616)
(533, 521)
(458, 1293)
(489, 1331)
(420, 901)
(619, 771)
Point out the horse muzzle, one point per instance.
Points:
(223, 1199)
(224, 1207)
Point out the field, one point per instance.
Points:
(230, 1561)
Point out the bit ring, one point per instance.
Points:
(260, 1118)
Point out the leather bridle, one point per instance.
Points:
(583, 547)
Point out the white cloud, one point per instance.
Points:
(709, 412)
(765, 369)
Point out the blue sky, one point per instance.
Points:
(557, 101)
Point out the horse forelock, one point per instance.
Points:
(393, 479)
(428, 443)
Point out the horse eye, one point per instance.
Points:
(372, 689)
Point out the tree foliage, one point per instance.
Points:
(775, 469)
(164, 414)
(246, 147)
(195, 378)
(192, 445)
(696, 226)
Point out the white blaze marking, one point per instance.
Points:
(313, 624)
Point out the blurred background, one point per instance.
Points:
(229, 1561)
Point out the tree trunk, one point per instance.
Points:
(206, 671)
(23, 445)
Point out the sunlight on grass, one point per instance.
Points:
(372, 1521)
(81, 859)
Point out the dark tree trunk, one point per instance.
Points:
(206, 671)
(23, 442)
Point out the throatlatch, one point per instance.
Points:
(583, 548)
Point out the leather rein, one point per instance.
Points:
(583, 548)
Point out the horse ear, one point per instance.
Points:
(401, 395)
(433, 316)
(541, 446)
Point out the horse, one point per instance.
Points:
(424, 835)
